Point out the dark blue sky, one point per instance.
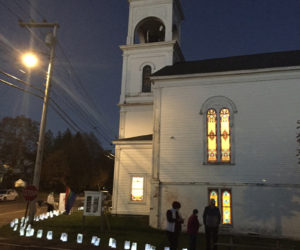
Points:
(87, 72)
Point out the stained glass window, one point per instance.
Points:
(213, 194)
(226, 207)
(218, 135)
(146, 87)
(225, 134)
(137, 189)
(211, 135)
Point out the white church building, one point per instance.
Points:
(221, 128)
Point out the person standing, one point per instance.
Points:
(211, 220)
(50, 202)
(174, 221)
(192, 229)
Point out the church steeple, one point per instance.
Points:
(153, 42)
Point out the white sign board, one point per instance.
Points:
(92, 203)
(61, 204)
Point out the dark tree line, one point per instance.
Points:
(74, 160)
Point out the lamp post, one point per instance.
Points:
(51, 41)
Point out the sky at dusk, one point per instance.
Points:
(87, 67)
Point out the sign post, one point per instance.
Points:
(29, 194)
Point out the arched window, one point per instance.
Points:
(213, 194)
(146, 86)
(219, 142)
(149, 30)
(226, 207)
(223, 200)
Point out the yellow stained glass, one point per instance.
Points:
(225, 135)
(226, 207)
(211, 135)
(214, 195)
(137, 189)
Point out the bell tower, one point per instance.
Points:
(153, 41)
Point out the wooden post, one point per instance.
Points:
(26, 210)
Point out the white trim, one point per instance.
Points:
(147, 45)
(142, 142)
(230, 73)
(147, 63)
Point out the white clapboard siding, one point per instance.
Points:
(264, 179)
(133, 161)
(263, 210)
(265, 132)
(136, 121)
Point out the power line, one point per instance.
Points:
(83, 89)
(82, 112)
(63, 118)
(21, 81)
(65, 114)
(85, 115)
(35, 9)
(12, 12)
(57, 109)
(17, 87)
(21, 8)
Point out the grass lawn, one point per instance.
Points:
(132, 228)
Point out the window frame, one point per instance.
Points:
(144, 188)
(220, 192)
(218, 103)
(144, 85)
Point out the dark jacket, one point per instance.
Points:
(211, 216)
(174, 218)
(193, 224)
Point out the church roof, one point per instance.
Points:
(246, 62)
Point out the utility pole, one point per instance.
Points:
(51, 42)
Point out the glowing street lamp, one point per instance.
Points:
(29, 60)
(51, 42)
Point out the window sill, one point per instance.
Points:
(146, 93)
(225, 228)
(137, 202)
(219, 163)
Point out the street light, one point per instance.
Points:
(51, 42)
(29, 60)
